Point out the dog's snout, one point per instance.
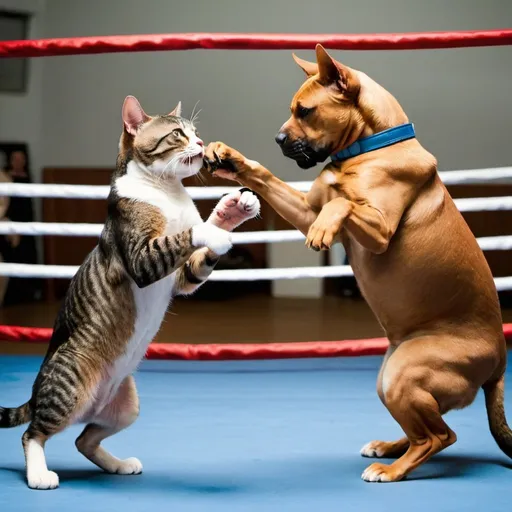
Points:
(281, 138)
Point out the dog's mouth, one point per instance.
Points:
(304, 155)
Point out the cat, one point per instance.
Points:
(154, 246)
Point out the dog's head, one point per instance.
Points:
(324, 111)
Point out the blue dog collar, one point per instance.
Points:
(379, 140)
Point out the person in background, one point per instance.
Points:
(7, 242)
(20, 209)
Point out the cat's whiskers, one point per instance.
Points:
(193, 110)
(189, 159)
(170, 163)
(194, 118)
(201, 178)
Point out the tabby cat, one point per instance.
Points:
(154, 246)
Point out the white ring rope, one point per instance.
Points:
(480, 204)
(255, 274)
(491, 243)
(476, 204)
(94, 230)
(52, 190)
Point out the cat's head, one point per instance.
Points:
(166, 145)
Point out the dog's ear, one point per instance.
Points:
(310, 68)
(333, 72)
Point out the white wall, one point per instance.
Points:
(458, 99)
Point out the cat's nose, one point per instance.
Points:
(199, 142)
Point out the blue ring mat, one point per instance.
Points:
(278, 435)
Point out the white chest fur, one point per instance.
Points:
(151, 303)
(169, 196)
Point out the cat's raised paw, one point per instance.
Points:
(235, 208)
(43, 480)
(131, 466)
(249, 203)
(209, 235)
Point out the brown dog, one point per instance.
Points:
(414, 258)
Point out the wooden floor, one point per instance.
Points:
(258, 319)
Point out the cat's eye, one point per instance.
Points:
(177, 133)
(303, 112)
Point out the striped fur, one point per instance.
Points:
(154, 246)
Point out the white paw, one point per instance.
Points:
(249, 204)
(131, 466)
(43, 480)
(369, 451)
(208, 235)
(374, 474)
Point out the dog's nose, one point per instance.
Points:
(281, 138)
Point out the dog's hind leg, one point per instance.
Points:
(417, 389)
(418, 414)
(385, 449)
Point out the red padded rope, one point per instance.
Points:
(233, 351)
(206, 41)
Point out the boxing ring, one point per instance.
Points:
(272, 426)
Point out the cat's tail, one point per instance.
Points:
(15, 416)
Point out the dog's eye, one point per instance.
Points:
(303, 112)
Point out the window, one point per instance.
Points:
(13, 72)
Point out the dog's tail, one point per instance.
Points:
(500, 430)
(15, 416)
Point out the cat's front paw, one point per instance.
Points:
(208, 235)
(235, 208)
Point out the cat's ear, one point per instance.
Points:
(177, 110)
(133, 115)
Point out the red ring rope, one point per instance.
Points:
(233, 351)
(205, 41)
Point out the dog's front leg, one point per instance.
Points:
(366, 224)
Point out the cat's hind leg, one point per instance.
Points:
(38, 475)
(61, 393)
(119, 414)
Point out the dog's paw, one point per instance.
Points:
(225, 162)
(380, 449)
(220, 156)
(370, 450)
(131, 466)
(208, 235)
(380, 473)
(43, 480)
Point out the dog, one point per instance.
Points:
(415, 260)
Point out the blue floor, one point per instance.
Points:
(255, 436)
